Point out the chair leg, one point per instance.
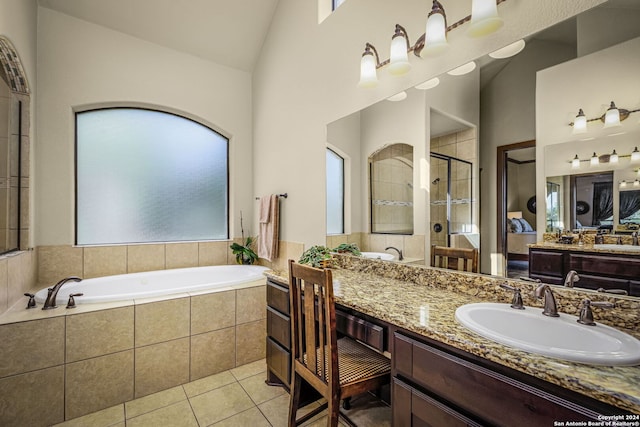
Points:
(294, 398)
(333, 412)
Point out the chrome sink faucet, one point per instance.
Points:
(400, 257)
(571, 278)
(53, 292)
(550, 306)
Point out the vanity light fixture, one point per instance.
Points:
(636, 183)
(613, 158)
(635, 155)
(484, 20)
(575, 163)
(594, 160)
(623, 183)
(509, 50)
(611, 118)
(463, 69)
(429, 84)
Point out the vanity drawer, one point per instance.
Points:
(360, 329)
(279, 328)
(594, 282)
(279, 361)
(479, 391)
(605, 265)
(278, 297)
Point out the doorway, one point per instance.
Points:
(516, 206)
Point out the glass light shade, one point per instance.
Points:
(484, 18)
(435, 34)
(575, 163)
(636, 183)
(429, 84)
(635, 155)
(594, 160)
(398, 96)
(463, 69)
(509, 50)
(614, 157)
(580, 123)
(399, 58)
(368, 74)
(612, 116)
(623, 183)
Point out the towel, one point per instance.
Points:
(269, 227)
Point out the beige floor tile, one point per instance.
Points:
(154, 401)
(250, 369)
(105, 418)
(209, 383)
(252, 417)
(258, 390)
(219, 404)
(277, 410)
(176, 415)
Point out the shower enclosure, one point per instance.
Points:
(451, 197)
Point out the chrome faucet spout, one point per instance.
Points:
(400, 257)
(571, 278)
(550, 306)
(53, 292)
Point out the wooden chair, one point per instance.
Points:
(451, 258)
(337, 369)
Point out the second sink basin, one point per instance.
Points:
(560, 337)
(379, 255)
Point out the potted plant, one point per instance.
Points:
(316, 256)
(350, 248)
(244, 253)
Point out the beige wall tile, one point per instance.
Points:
(145, 258)
(161, 366)
(162, 321)
(250, 342)
(27, 346)
(467, 150)
(252, 304)
(181, 255)
(213, 311)
(212, 253)
(105, 261)
(213, 352)
(98, 383)
(58, 262)
(33, 399)
(99, 333)
(414, 246)
(4, 286)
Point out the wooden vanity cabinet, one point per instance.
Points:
(435, 385)
(596, 269)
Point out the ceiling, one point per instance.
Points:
(227, 32)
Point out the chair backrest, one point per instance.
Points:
(454, 258)
(313, 327)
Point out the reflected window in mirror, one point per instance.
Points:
(336, 4)
(630, 207)
(335, 193)
(391, 189)
(553, 206)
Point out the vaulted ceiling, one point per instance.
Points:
(228, 32)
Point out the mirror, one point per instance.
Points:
(500, 105)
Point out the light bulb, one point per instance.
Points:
(484, 18)
(436, 31)
(614, 157)
(399, 57)
(575, 163)
(635, 155)
(612, 116)
(580, 123)
(594, 160)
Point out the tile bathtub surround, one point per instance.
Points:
(101, 364)
(17, 276)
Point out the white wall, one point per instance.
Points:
(307, 74)
(81, 64)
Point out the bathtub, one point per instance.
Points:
(156, 283)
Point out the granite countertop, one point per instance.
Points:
(422, 306)
(587, 247)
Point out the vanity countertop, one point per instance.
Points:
(423, 306)
(587, 247)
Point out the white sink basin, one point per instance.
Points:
(614, 247)
(560, 337)
(379, 255)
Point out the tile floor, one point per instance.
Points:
(238, 397)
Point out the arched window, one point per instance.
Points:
(147, 176)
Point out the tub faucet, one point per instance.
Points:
(571, 279)
(550, 307)
(400, 257)
(53, 292)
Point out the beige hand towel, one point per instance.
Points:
(269, 229)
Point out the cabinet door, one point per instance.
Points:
(546, 263)
(602, 265)
(279, 361)
(589, 281)
(634, 288)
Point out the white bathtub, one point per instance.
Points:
(156, 283)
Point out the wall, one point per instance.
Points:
(291, 110)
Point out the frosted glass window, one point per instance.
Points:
(148, 176)
(335, 193)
